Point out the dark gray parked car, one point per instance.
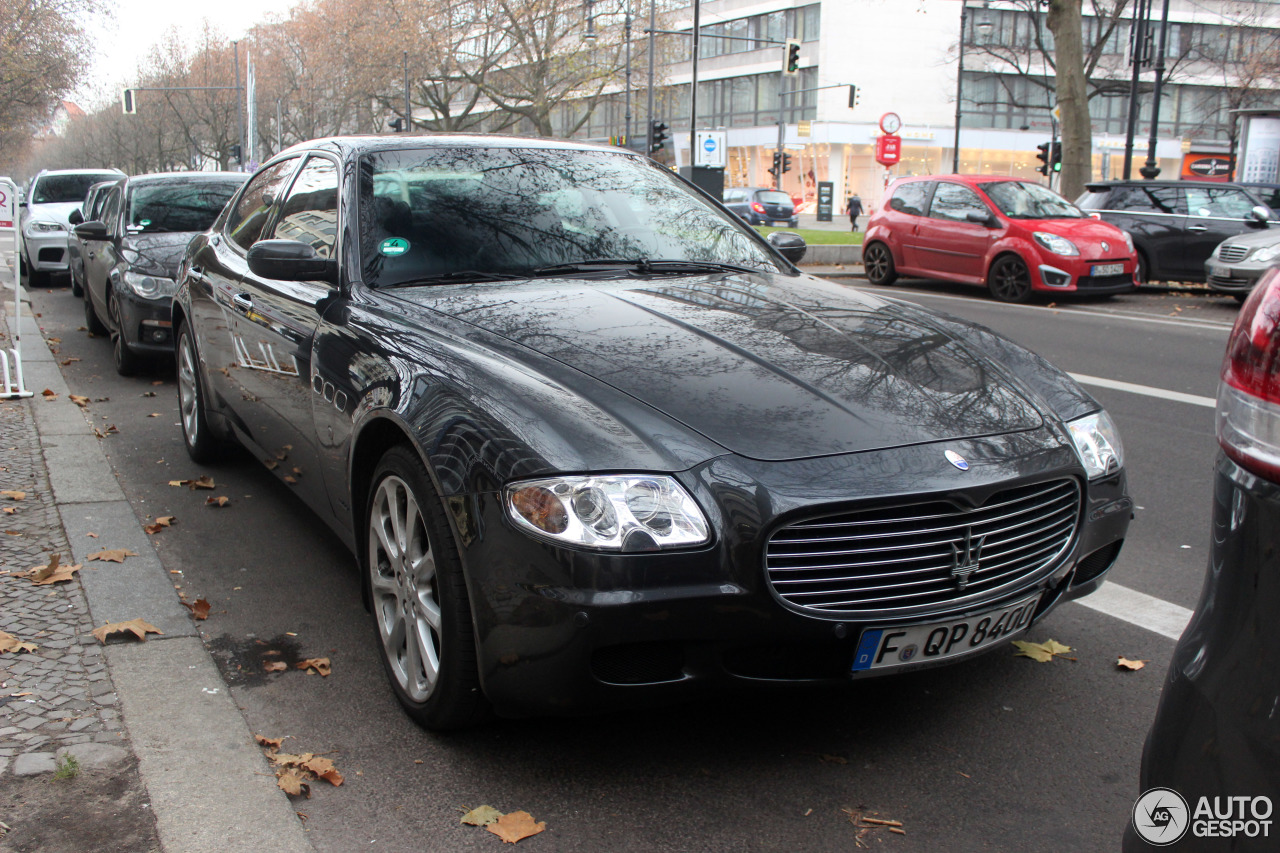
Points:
(89, 211)
(1175, 225)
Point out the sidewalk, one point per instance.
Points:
(165, 759)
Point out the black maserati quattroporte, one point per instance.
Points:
(595, 442)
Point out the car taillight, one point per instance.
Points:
(1248, 418)
(757, 207)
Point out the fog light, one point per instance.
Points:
(1053, 277)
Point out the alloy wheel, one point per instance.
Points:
(1010, 280)
(188, 391)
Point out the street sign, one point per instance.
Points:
(826, 192)
(8, 203)
(711, 149)
(888, 149)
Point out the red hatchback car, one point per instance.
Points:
(1016, 237)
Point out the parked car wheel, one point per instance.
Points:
(1140, 275)
(877, 260)
(91, 319)
(1009, 279)
(76, 288)
(202, 445)
(35, 278)
(127, 361)
(794, 223)
(419, 599)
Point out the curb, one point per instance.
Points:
(177, 710)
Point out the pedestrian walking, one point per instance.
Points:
(855, 210)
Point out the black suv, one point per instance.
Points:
(1176, 225)
(761, 205)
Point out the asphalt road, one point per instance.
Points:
(998, 753)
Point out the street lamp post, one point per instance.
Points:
(955, 145)
(590, 35)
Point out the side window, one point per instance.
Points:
(246, 220)
(1218, 202)
(954, 202)
(111, 207)
(1148, 200)
(911, 198)
(310, 213)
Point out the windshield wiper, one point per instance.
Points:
(644, 266)
(456, 277)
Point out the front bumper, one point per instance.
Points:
(1233, 278)
(47, 251)
(148, 323)
(561, 630)
(1077, 278)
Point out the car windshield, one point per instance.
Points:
(178, 205)
(1017, 200)
(450, 213)
(63, 189)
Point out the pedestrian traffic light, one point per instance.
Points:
(786, 163)
(1045, 156)
(237, 154)
(792, 63)
(397, 124)
(657, 135)
(127, 103)
(1055, 162)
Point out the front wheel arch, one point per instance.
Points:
(1004, 258)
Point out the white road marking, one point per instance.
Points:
(1145, 390)
(1137, 608)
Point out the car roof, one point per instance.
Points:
(1101, 185)
(55, 172)
(165, 177)
(393, 142)
(968, 179)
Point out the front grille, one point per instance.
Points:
(919, 558)
(1233, 254)
(1231, 283)
(1104, 282)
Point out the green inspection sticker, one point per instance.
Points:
(144, 222)
(393, 246)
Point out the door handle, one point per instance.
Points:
(242, 300)
(1197, 227)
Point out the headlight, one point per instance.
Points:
(1270, 253)
(1128, 240)
(150, 286)
(627, 513)
(1056, 244)
(1098, 443)
(37, 227)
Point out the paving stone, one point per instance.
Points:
(34, 764)
(96, 755)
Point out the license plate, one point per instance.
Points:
(1219, 272)
(1106, 269)
(883, 648)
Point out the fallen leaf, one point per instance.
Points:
(272, 743)
(200, 609)
(67, 361)
(54, 340)
(221, 500)
(1125, 663)
(154, 415)
(320, 665)
(92, 535)
(10, 510)
(148, 393)
(139, 628)
(1041, 652)
(167, 520)
(205, 482)
(54, 572)
(293, 781)
(82, 402)
(48, 394)
(324, 769)
(114, 555)
(515, 826)
(271, 464)
(10, 643)
(290, 480)
(157, 382)
(179, 482)
(14, 495)
(481, 816)
(275, 666)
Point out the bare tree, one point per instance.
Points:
(1064, 21)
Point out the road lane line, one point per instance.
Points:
(1145, 390)
(1137, 608)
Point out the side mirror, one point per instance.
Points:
(1260, 213)
(291, 260)
(987, 219)
(76, 217)
(91, 230)
(789, 244)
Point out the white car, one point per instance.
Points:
(47, 204)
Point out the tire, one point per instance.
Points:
(877, 261)
(127, 362)
(1140, 275)
(35, 278)
(421, 613)
(91, 319)
(1009, 279)
(202, 445)
(1240, 297)
(76, 288)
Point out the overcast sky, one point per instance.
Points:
(140, 24)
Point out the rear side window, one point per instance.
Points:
(1148, 200)
(955, 202)
(247, 219)
(911, 198)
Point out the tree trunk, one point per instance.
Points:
(1073, 102)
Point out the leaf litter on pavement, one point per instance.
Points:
(869, 827)
(1041, 652)
(53, 572)
(1123, 662)
(510, 827)
(10, 643)
(138, 627)
(295, 772)
(112, 555)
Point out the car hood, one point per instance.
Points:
(53, 212)
(767, 366)
(1255, 239)
(155, 254)
(1088, 235)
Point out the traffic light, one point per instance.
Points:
(237, 154)
(127, 102)
(854, 96)
(1045, 157)
(1055, 161)
(657, 135)
(775, 169)
(397, 124)
(792, 63)
(786, 163)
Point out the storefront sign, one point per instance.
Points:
(1206, 167)
(826, 192)
(888, 149)
(8, 199)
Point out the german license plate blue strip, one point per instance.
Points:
(867, 649)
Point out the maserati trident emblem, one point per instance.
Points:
(956, 459)
(1106, 247)
(965, 556)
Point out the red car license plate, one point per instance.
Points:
(1106, 269)
(883, 648)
